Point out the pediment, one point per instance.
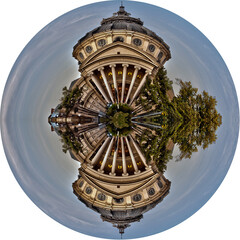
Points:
(122, 50)
(119, 189)
(119, 50)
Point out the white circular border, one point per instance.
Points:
(218, 21)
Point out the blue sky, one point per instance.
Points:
(34, 86)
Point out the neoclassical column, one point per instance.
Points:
(137, 109)
(137, 68)
(113, 66)
(139, 87)
(99, 86)
(101, 70)
(137, 130)
(132, 157)
(87, 111)
(100, 151)
(114, 158)
(125, 66)
(109, 149)
(136, 146)
(99, 133)
(123, 158)
(87, 128)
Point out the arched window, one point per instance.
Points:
(101, 42)
(151, 191)
(137, 41)
(119, 200)
(137, 197)
(160, 56)
(101, 197)
(88, 49)
(151, 48)
(88, 190)
(119, 39)
(81, 184)
(81, 55)
(160, 184)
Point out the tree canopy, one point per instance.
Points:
(192, 119)
(70, 141)
(70, 97)
(118, 119)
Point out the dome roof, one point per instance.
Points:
(122, 20)
(133, 214)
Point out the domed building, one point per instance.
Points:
(117, 57)
(121, 200)
(115, 178)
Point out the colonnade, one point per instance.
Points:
(112, 144)
(112, 96)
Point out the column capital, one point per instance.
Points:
(101, 69)
(137, 67)
(112, 65)
(148, 72)
(101, 171)
(137, 172)
(148, 167)
(90, 74)
(112, 174)
(125, 65)
(89, 165)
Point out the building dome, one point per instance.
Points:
(114, 36)
(122, 21)
(130, 205)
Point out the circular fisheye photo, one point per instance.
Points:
(119, 119)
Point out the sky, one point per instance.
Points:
(34, 86)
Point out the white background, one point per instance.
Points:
(218, 20)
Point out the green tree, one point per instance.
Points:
(70, 142)
(118, 119)
(69, 98)
(192, 119)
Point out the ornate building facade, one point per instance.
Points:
(115, 60)
(117, 57)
